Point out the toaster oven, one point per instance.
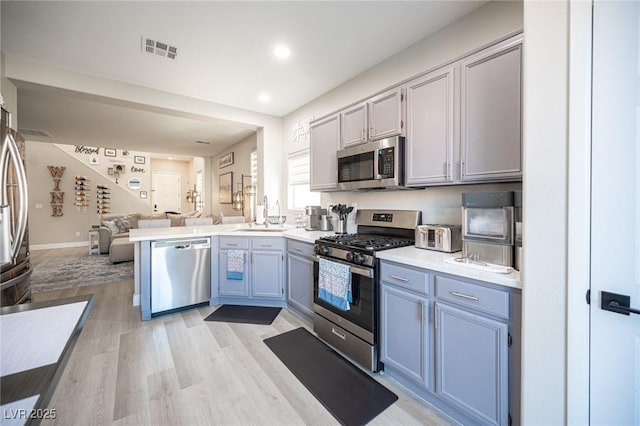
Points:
(447, 238)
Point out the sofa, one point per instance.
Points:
(113, 233)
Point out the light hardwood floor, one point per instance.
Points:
(180, 370)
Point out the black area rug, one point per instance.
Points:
(349, 394)
(244, 314)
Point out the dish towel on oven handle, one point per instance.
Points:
(334, 284)
(235, 264)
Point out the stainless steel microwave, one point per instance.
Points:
(372, 165)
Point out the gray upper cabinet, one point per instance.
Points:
(354, 125)
(379, 117)
(491, 113)
(430, 128)
(385, 114)
(325, 142)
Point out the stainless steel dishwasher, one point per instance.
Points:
(180, 273)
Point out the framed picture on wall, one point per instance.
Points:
(143, 195)
(226, 160)
(225, 184)
(138, 159)
(109, 152)
(125, 153)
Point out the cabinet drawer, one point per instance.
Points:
(300, 248)
(267, 243)
(405, 277)
(495, 302)
(234, 243)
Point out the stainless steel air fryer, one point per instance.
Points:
(488, 227)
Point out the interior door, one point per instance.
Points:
(615, 214)
(167, 195)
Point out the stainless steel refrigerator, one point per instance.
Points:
(14, 239)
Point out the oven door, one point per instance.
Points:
(360, 318)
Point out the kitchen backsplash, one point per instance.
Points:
(439, 205)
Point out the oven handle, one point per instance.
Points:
(353, 269)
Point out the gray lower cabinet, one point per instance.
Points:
(229, 287)
(263, 275)
(404, 333)
(300, 277)
(266, 274)
(466, 361)
(472, 363)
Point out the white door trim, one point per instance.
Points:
(579, 212)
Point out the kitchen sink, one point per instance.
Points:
(260, 229)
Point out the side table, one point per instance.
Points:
(94, 241)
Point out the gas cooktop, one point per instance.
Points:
(367, 241)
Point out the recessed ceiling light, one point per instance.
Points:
(281, 52)
(264, 98)
(170, 158)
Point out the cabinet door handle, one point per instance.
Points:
(232, 245)
(421, 311)
(265, 245)
(464, 296)
(364, 134)
(337, 333)
(404, 280)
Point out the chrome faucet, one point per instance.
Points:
(265, 201)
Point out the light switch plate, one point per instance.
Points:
(38, 206)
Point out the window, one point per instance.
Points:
(300, 194)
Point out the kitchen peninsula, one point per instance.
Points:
(235, 236)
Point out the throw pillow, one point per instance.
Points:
(111, 225)
(176, 219)
(122, 224)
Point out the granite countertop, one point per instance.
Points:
(436, 261)
(36, 340)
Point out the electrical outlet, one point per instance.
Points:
(38, 206)
(77, 233)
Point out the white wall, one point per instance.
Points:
(438, 205)
(45, 229)
(270, 128)
(241, 165)
(546, 27)
(9, 93)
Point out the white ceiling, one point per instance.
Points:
(224, 56)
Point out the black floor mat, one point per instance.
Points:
(349, 394)
(244, 314)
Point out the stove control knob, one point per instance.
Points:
(322, 250)
(349, 257)
(358, 258)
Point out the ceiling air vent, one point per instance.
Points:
(203, 142)
(159, 48)
(34, 132)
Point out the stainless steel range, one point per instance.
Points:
(354, 330)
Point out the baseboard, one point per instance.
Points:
(50, 246)
(136, 300)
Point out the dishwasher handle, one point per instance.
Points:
(182, 244)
